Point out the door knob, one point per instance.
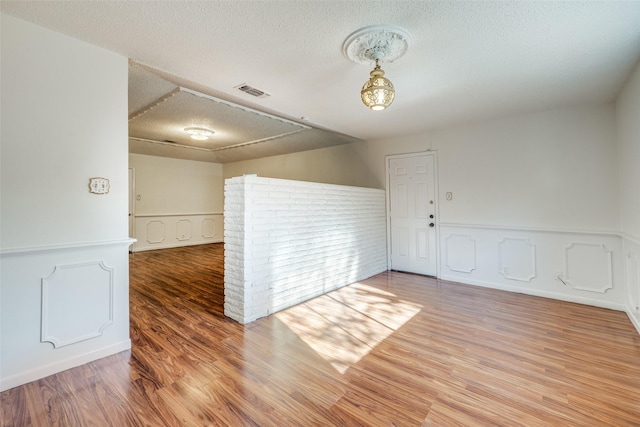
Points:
(431, 216)
(431, 224)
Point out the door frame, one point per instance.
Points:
(387, 161)
(132, 206)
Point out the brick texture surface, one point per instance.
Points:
(289, 241)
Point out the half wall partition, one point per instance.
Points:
(289, 241)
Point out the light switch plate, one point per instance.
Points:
(98, 185)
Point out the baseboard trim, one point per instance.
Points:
(174, 245)
(634, 320)
(62, 365)
(533, 292)
(152, 215)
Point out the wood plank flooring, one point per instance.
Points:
(393, 350)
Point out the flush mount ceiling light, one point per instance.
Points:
(377, 44)
(199, 133)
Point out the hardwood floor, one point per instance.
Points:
(396, 349)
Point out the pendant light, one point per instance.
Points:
(378, 92)
(376, 44)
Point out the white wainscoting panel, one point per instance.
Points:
(208, 226)
(169, 231)
(577, 266)
(517, 259)
(77, 303)
(460, 253)
(588, 267)
(184, 229)
(155, 232)
(74, 296)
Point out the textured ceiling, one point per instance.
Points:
(469, 61)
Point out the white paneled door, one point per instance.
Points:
(412, 214)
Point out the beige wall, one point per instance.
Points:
(64, 120)
(168, 186)
(554, 169)
(342, 164)
(628, 115)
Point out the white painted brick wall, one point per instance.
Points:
(289, 241)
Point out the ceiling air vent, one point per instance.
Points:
(252, 91)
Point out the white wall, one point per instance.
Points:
(555, 169)
(289, 241)
(64, 120)
(535, 205)
(628, 115)
(55, 136)
(180, 202)
(536, 199)
(341, 164)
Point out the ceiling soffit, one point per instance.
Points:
(160, 110)
(166, 118)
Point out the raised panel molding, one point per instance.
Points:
(183, 229)
(402, 241)
(170, 231)
(420, 169)
(588, 267)
(460, 253)
(402, 205)
(155, 231)
(517, 259)
(208, 228)
(633, 281)
(77, 303)
(420, 197)
(422, 244)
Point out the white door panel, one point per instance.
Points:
(412, 209)
(422, 244)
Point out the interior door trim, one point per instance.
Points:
(387, 161)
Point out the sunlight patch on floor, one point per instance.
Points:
(345, 325)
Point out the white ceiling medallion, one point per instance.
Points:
(376, 44)
(383, 42)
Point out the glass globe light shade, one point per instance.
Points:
(378, 92)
